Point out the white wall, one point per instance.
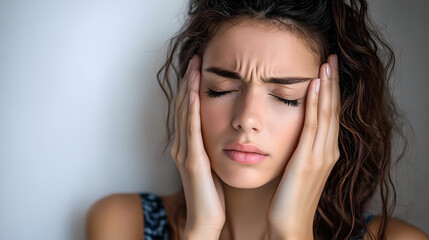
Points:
(81, 113)
(405, 26)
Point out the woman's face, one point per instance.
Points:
(251, 113)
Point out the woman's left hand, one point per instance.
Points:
(293, 206)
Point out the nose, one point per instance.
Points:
(249, 111)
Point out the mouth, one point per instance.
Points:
(245, 157)
(245, 148)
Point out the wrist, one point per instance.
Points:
(282, 233)
(200, 234)
(197, 233)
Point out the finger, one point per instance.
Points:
(184, 111)
(332, 138)
(177, 110)
(183, 116)
(324, 110)
(310, 122)
(184, 84)
(177, 104)
(195, 140)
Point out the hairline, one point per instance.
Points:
(270, 24)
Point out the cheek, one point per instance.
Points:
(214, 121)
(288, 131)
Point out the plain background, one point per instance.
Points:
(82, 115)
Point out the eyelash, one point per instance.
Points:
(214, 94)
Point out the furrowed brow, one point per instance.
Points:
(233, 75)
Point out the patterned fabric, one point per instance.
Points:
(155, 218)
(368, 218)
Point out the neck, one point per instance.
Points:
(246, 211)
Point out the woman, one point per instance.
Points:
(283, 127)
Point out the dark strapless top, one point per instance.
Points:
(155, 218)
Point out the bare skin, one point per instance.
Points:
(276, 198)
(119, 216)
(228, 200)
(251, 114)
(397, 229)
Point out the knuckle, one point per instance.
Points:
(337, 155)
(326, 113)
(179, 158)
(311, 124)
(192, 167)
(173, 151)
(336, 117)
(330, 159)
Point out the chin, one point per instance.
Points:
(244, 177)
(244, 186)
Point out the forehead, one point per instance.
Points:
(254, 44)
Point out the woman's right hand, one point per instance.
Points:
(205, 201)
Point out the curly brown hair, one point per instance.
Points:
(369, 117)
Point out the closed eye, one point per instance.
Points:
(214, 94)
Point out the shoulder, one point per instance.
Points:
(116, 216)
(397, 229)
(120, 216)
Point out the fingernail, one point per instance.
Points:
(191, 97)
(317, 85)
(328, 70)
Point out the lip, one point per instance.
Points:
(245, 157)
(245, 153)
(246, 148)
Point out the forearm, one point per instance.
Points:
(198, 231)
(282, 233)
(279, 236)
(201, 234)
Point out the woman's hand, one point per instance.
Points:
(205, 201)
(293, 206)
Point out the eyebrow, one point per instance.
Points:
(233, 75)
